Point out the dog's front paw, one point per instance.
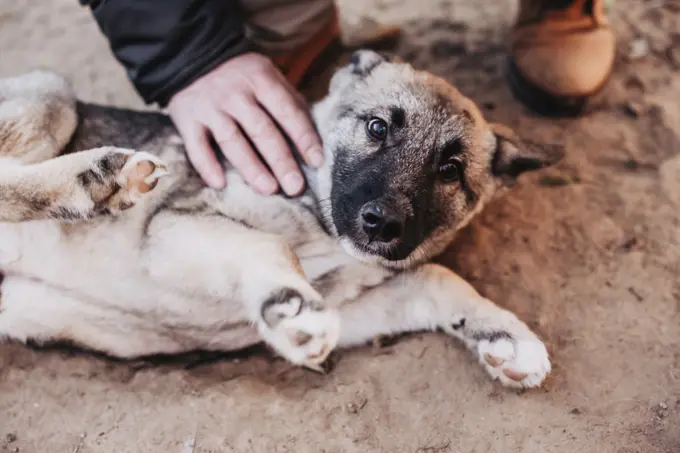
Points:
(505, 346)
(515, 363)
(301, 330)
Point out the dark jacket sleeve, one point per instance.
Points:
(166, 44)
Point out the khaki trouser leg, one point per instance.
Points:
(278, 27)
(294, 33)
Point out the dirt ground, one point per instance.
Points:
(587, 253)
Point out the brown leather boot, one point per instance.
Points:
(562, 53)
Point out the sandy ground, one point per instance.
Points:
(587, 253)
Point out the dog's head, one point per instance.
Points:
(409, 160)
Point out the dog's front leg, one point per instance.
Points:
(432, 297)
(254, 276)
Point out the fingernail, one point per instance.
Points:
(215, 180)
(316, 157)
(292, 183)
(265, 184)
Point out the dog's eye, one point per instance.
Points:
(451, 170)
(376, 128)
(451, 166)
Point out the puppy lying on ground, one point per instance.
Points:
(98, 249)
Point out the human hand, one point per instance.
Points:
(246, 95)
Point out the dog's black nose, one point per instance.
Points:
(381, 223)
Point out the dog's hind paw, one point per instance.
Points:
(301, 330)
(141, 173)
(118, 178)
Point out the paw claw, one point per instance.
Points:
(321, 355)
(315, 367)
(158, 173)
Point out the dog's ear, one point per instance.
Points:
(513, 156)
(364, 61)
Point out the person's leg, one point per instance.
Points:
(295, 33)
(562, 54)
(280, 26)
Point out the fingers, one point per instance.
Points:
(288, 108)
(240, 154)
(269, 142)
(242, 102)
(201, 154)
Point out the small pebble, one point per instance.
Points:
(634, 109)
(639, 48)
(354, 408)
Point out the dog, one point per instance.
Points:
(123, 250)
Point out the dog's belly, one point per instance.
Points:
(75, 270)
(10, 245)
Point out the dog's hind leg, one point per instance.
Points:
(35, 312)
(37, 116)
(77, 186)
(434, 298)
(256, 277)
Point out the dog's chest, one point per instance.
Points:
(297, 220)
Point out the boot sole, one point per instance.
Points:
(547, 104)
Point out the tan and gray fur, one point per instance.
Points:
(110, 241)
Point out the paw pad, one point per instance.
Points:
(141, 173)
(516, 363)
(493, 360)
(515, 375)
(299, 338)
